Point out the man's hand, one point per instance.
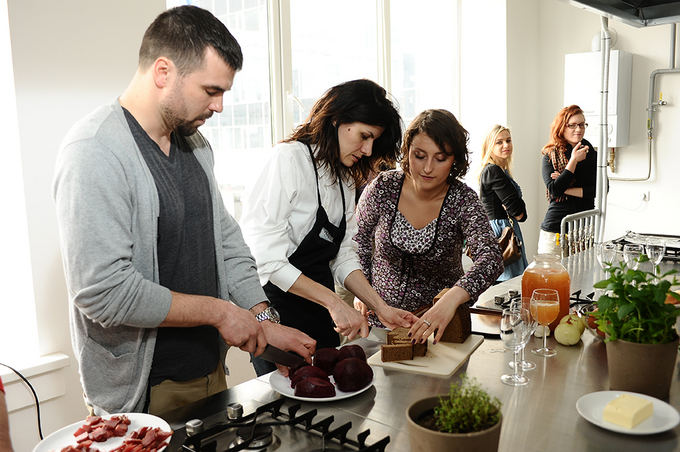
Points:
(394, 317)
(290, 340)
(348, 321)
(239, 328)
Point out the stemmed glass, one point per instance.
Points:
(655, 250)
(524, 302)
(515, 332)
(605, 253)
(631, 253)
(545, 306)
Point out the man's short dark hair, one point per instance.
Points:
(182, 34)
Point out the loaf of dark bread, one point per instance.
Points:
(460, 326)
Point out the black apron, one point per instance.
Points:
(312, 257)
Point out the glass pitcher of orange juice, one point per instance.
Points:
(546, 272)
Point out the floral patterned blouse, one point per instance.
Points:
(408, 267)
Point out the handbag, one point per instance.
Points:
(510, 245)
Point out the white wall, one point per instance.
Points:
(540, 33)
(524, 110)
(69, 57)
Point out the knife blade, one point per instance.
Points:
(278, 356)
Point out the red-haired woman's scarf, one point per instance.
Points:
(559, 163)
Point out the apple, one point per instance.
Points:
(573, 319)
(568, 333)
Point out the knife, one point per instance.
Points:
(278, 356)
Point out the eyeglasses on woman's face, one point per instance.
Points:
(580, 125)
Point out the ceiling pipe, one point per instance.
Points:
(601, 184)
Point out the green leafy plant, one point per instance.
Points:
(634, 307)
(468, 408)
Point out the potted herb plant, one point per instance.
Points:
(467, 419)
(639, 327)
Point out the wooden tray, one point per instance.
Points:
(442, 359)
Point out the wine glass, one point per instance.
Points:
(515, 332)
(655, 250)
(631, 254)
(545, 306)
(605, 253)
(524, 302)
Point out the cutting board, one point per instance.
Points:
(442, 359)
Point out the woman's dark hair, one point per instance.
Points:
(447, 133)
(355, 101)
(182, 34)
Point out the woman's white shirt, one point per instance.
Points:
(280, 209)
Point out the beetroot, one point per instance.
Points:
(291, 372)
(326, 358)
(352, 374)
(308, 371)
(314, 387)
(351, 351)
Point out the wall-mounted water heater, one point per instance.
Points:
(582, 84)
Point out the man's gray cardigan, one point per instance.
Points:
(107, 211)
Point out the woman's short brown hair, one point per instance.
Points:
(447, 133)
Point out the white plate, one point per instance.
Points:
(591, 407)
(281, 385)
(64, 437)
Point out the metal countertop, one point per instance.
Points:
(537, 417)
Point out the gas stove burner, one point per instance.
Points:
(330, 449)
(271, 428)
(257, 438)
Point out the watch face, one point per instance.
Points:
(273, 314)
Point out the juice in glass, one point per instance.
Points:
(546, 272)
(544, 313)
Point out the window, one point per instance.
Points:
(296, 50)
(17, 305)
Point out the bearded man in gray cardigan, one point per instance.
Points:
(159, 277)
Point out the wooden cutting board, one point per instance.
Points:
(442, 359)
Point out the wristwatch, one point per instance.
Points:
(269, 313)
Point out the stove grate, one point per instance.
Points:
(207, 440)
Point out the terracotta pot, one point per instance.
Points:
(643, 368)
(425, 440)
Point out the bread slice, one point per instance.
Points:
(400, 352)
(398, 335)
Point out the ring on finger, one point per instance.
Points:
(427, 323)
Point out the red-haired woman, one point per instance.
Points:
(569, 173)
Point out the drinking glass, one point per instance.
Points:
(515, 327)
(524, 302)
(631, 253)
(605, 252)
(655, 250)
(545, 305)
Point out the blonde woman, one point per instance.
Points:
(500, 194)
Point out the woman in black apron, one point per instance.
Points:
(298, 217)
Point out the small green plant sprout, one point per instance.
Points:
(634, 306)
(468, 408)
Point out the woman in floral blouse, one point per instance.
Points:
(413, 223)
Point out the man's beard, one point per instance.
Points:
(175, 121)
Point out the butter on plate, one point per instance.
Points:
(627, 410)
